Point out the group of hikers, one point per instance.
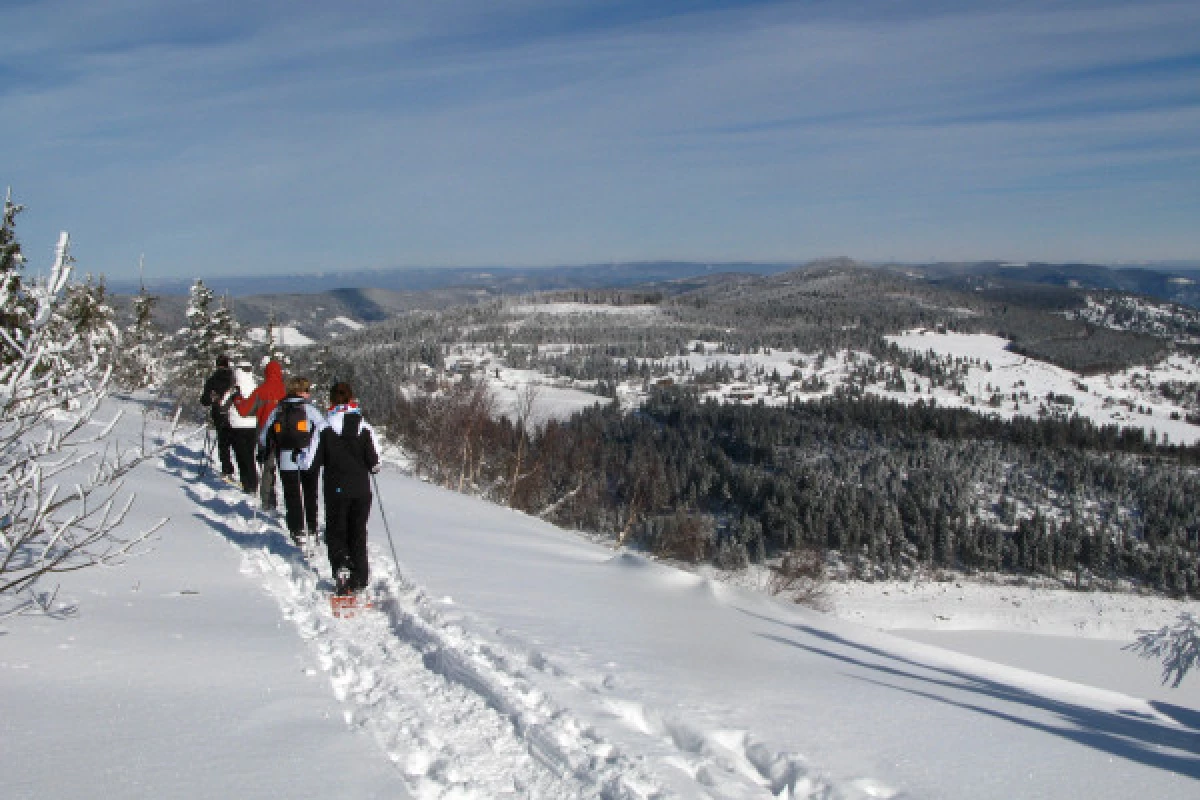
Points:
(276, 426)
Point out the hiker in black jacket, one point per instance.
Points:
(348, 453)
(214, 394)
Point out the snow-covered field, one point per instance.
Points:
(1125, 398)
(1070, 635)
(509, 658)
(285, 336)
(562, 309)
(994, 380)
(549, 402)
(1128, 399)
(552, 399)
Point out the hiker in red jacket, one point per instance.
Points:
(261, 403)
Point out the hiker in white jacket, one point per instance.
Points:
(244, 430)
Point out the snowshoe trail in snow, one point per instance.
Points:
(460, 716)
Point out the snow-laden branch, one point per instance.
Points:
(1176, 645)
(52, 383)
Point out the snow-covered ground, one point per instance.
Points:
(1128, 399)
(346, 322)
(509, 658)
(285, 336)
(994, 380)
(1072, 635)
(549, 401)
(562, 309)
(552, 399)
(1125, 398)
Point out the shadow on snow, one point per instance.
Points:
(186, 463)
(1126, 734)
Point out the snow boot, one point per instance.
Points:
(344, 588)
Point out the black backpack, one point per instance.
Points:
(220, 409)
(292, 430)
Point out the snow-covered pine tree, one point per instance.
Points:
(11, 259)
(48, 396)
(140, 362)
(16, 308)
(90, 319)
(200, 348)
(227, 332)
(211, 330)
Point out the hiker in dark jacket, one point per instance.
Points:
(292, 427)
(348, 453)
(215, 395)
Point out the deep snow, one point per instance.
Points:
(511, 658)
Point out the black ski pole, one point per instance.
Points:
(208, 448)
(311, 538)
(386, 527)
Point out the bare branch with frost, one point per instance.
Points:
(1176, 646)
(51, 386)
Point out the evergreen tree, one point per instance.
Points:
(200, 346)
(211, 330)
(227, 334)
(88, 322)
(16, 307)
(139, 364)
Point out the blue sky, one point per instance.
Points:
(255, 137)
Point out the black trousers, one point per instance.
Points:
(300, 499)
(225, 449)
(244, 441)
(346, 536)
(266, 483)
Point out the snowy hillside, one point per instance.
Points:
(997, 381)
(509, 658)
(989, 379)
(285, 336)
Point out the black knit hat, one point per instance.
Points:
(223, 361)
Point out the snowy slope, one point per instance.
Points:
(1127, 399)
(285, 336)
(175, 679)
(510, 658)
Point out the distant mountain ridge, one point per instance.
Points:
(497, 280)
(1175, 285)
(310, 301)
(1178, 286)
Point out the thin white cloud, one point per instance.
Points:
(305, 136)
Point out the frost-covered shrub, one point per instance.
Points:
(52, 380)
(800, 576)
